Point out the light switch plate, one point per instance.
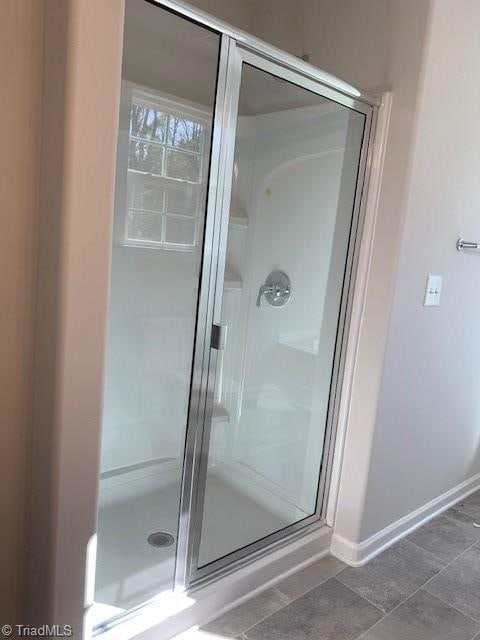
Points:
(433, 291)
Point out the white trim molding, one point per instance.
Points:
(376, 161)
(358, 554)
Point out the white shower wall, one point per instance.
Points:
(151, 323)
(294, 180)
(153, 291)
(291, 167)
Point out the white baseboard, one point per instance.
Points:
(358, 554)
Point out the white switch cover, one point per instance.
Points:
(433, 291)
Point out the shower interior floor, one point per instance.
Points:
(131, 571)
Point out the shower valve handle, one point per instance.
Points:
(277, 289)
(262, 291)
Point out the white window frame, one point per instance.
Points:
(171, 106)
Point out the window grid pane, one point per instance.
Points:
(169, 147)
(180, 231)
(183, 166)
(146, 157)
(145, 194)
(183, 201)
(147, 123)
(145, 226)
(184, 133)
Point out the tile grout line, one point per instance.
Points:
(432, 554)
(447, 563)
(267, 616)
(384, 614)
(315, 585)
(362, 597)
(430, 594)
(334, 576)
(291, 600)
(444, 601)
(465, 615)
(444, 562)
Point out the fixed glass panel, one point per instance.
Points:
(161, 184)
(296, 163)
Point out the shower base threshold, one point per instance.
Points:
(172, 613)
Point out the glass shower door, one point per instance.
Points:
(292, 224)
(162, 173)
(215, 443)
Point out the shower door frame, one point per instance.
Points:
(236, 49)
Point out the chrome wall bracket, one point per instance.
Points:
(465, 244)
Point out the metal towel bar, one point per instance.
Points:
(464, 244)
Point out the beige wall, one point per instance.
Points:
(239, 13)
(353, 40)
(414, 430)
(42, 114)
(427, 436)
(21, 38)
(279, 22)
(81, 97)
(375, 44)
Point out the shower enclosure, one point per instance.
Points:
(237, 221)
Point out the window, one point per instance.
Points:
(166, 173)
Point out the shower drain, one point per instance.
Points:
(160, 539)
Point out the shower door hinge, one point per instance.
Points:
(219, 336)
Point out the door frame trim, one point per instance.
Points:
(370, 204)
(205, 358)
(267, 50)
(234, 54)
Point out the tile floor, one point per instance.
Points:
(425, 587)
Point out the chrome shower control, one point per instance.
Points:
(277, 289)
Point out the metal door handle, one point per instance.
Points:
(219, 337)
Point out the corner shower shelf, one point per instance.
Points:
(305, 342)
(233, 281)
(238, 221)
(220, 414)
